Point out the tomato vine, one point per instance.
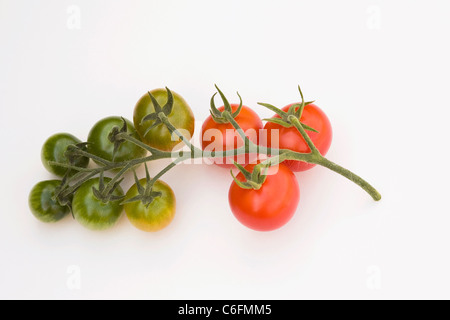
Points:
(77, 175)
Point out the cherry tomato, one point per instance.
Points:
(223, 136)
(54, 150)
(101, 146)
(290, 138)
(270, 207)
(42, 203)
(158, 214)
(93, 213)
(160, 137)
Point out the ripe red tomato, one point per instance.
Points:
(223, 136)
(270, 207)
(290, 138)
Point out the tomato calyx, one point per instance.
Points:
(221, 116)
(156, 116)
(79, 150)
(116, 136)
(105, 192)
(295, 110)
(75, 158)
(253, 180)
(146, 195)
(59, 196)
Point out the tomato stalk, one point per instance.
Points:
(217, 115)
(316, 158)
(313, 157)
(349, 175)
(71, 183)
(165, 120)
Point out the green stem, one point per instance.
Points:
(238, 128)
(164, 171)
(69, 166)
(93, 157)
(281, 154)
(116, 178)
(71, 189)
(164, 119)
(317, 158)
(294, 120)
(139, 143)
(349, 175)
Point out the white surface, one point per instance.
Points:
(378, 68)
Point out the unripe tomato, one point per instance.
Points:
(93, 213)
(155, 216)
(159, 137)
(101, 146)
(42, 203)
(54, 150)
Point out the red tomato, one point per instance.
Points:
(223, 136)
(270, 207)
(290, 138)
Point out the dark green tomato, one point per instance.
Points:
(54, 150)
(160, 137)
(42, 203)
(93, 213)
(101, 146)
(158, 214)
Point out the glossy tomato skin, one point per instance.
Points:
(159, 137)
(54, 150)
(158, 214)
(91, 212)
(270, 207)
(101, 146)
(42, 203)
(290, 138)
(228, 139)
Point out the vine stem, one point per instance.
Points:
(237, 127)
(317, 158)
(164, 119)
(294, 120)
(313, 157)
(350, 176)
(165, 170)
(139, 143)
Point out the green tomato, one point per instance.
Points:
(158, 214)
(42, 203)
(93, 213)
(54, 150)
(160, 137)
(101, 146)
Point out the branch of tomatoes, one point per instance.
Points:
(119, 146)
(291, 119)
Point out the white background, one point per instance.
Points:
(379, 69)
